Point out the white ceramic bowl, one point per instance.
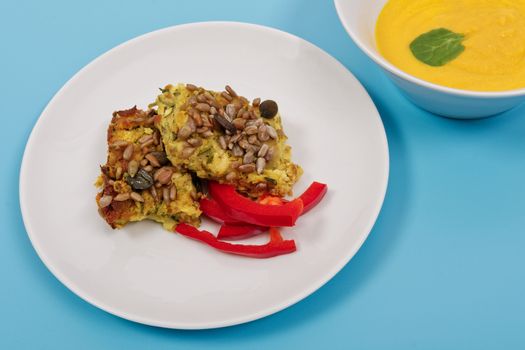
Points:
(359, 19)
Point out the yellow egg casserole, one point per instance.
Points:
(157, 158)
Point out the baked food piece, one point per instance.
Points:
(138, 182)
(223, 137)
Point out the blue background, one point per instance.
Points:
(444, 267)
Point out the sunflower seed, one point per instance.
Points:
(263, 150)
(240, 113)
(133, 167)
(231, 111)
(222, 142)
(122, 197)
(148, 168)
(136, 197)
(184, 132)
(252, 139)
(226, 96)
(206, 121)
(239, 123)
(144, 162)
(271, 131)
(213, 110)
(235, 138)
(153, 192)
(118, 173)
(156, 140)
(104, 201)
(145, 138)
(118, 144)
(188, 151)
(255, 147)
(163, 175)
(173, 192)
(195, 142)
(128, 152)
(256, 101)
(191, 87)
(191, 123)
(231, 91)
(166, 195)
(248, 158)
(269, 154)
(262, 133)
(250, 130)
(147, 143)
(244, 144)
(237, 151)
(197, 118)
(247, 168)
(201, 98)
(152, 159)
(261, 163)
(203, 107)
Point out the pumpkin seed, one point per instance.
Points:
(104, 201)
(268, 109)
(141, 181)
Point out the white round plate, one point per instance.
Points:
(146, 274)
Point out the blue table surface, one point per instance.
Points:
(444, 266)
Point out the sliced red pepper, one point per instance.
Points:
(313, 195)
(276, 245)
(244, 209)
(275, 235)
(239, 231)
(214, 211)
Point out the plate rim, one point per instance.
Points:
(205, 325)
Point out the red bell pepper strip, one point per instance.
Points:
(214, 211)
(276, 245)
(313, 195)
(239, 231)
(244, 209)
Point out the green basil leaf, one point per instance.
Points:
(437, 47)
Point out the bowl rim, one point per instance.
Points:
(383, 63)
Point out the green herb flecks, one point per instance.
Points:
(437, 47)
